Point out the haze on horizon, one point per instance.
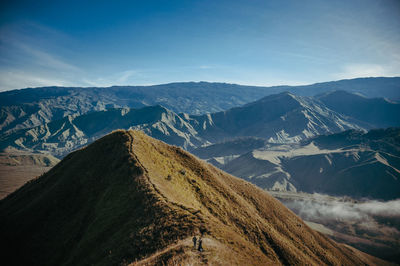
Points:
(104, 43)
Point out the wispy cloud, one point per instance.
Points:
(46, 59)
(17, 43)
(33, 55)
(365, 70)
(15, 79)
(126, 76)
(206, 67)
(29, 61)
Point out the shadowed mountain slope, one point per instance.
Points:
(231, 147)
(378, 112)
(130, 198)
(279, 118)
(350, 163)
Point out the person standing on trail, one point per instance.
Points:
(194, 242)
(200, 248)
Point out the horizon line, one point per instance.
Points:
(201, 81)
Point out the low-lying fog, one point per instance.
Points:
(370, 225)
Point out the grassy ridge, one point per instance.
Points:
(128, 197)
(93, 207)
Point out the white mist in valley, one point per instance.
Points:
(371, 225)
(372, 215)
(343, 208)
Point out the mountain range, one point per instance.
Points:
(321, 138)
(35, 106)
(62, 136)
(130, 199)
(265, 142)
(351, 163)
(279, 118)
(31, 107)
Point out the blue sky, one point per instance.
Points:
(103, 43)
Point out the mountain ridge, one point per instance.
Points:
(123, 207)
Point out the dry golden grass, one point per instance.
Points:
(183, 253)
(255, 227)
(130, 199)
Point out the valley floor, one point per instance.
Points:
(18, 168)
(13, 177)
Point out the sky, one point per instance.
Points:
(254, 42)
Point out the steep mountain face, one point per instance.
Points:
(130, 198)
(350, 163)
(15, 115)
(378, 112)
(63, 136)
(32, 107)
(279, 118)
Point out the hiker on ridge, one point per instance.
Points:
(194, 242)
(200, 248)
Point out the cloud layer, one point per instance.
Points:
(371, 216)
